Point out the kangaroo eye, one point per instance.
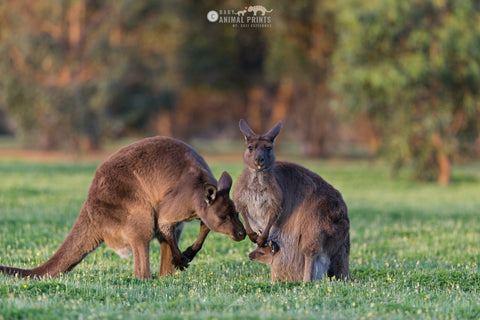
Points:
(268, 148)
(250, 148)
(223, 218)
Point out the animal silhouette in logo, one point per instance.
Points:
(256, 9)
(241, 13)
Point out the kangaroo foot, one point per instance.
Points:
(181, 262)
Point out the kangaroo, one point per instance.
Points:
(296, 202)
(143, 191)
(255, 9)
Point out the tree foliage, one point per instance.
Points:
(77, 71)
(306, 38)
(413, 67)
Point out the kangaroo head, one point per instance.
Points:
(220, 214)
(259, 154)
(266, 253)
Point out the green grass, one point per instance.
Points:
(415, 254)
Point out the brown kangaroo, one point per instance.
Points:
(143, 191)
(294, 207)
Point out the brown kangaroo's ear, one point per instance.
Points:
(247, 132)
(272, 134)
(272, 244)
(225, 182)
(210, 192)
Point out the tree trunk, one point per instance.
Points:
(282, 102)
(443, 161)
(254, 109)
(445, 170)
(164, 123)
(368, 131)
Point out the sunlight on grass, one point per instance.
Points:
(414, 254)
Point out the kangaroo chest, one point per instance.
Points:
(259, 197)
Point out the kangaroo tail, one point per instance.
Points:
(81, 240)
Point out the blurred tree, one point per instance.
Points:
(4, 123)
(53, 68)
(414, 68)
(78, 70)
(207, 56)
(149, 35)
(228, 59)
(298, 64)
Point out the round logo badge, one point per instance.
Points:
(212, 16)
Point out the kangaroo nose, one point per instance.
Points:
(251, 256)
(241, 234)
(259, 160)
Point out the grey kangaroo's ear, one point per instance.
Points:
(247, 132)
(210, 192)
(272, 134)
(225, 182)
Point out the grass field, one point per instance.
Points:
(415, 254)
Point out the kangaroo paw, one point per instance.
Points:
(181, 262)
(190, 253)
(253, 237)
(261, 241)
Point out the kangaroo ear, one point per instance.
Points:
(272, 244)
(245, 129)
(272, 134)
(210, 192)
(225, 182)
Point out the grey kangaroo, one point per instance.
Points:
(294, 207)
(143, 191)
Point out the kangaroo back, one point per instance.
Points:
(79, 243)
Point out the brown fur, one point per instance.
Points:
(296, 208)
(144, 191)
(286, 264)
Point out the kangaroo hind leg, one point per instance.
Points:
(139, 233)
(167, 266)
(170, 233)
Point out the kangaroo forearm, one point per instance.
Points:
(262, 239)
(191, 251)
(169, 234)
(252, 235)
